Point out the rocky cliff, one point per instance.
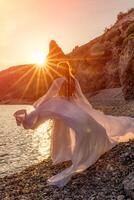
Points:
(107, 61)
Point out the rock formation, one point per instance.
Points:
(107, 61)
(55, 55)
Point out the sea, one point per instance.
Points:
(20, 148)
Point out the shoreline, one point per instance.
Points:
(15, 102)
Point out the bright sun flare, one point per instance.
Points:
(40, 58)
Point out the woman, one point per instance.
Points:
(80, 133)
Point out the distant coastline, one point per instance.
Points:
(15, 102)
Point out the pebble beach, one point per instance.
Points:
(102, 181)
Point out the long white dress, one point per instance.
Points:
(80, 133)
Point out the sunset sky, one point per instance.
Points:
(27, 26)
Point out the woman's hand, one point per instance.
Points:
(18, 122)
(20, 116)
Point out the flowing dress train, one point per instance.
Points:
(80, 133)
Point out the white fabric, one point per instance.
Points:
(80, 133)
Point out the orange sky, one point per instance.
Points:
(27, 26)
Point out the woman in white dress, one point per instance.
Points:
(80, 133)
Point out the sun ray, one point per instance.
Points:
(28, 85)
(49, 74)
(54, 55)
(50, 67)
(46, 72)
(38, 81)
(41, 81)
(71, 59)
(19, 67)
(80, 59)
(45, 79)
(23, 76)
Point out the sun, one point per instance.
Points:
(40, 58)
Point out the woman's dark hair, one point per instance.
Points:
(68, 87)
(64, 69)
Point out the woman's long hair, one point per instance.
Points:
(68, 87)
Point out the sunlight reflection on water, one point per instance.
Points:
(20, 148)
(41, 139)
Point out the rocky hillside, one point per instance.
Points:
(108, 61)
(105, 62)
(18, 84)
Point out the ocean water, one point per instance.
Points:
(20, 148)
